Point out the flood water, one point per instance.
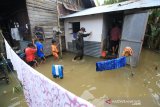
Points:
(9, 95)
(116, 88)
(143, 89)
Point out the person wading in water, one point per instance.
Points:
(80, 44)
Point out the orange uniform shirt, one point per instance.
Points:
(30, 54)
(54, 50)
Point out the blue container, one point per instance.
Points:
(57, 71)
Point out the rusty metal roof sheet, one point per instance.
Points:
(70, 7)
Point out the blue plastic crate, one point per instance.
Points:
(57, 71)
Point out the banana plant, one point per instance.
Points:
(154, 23)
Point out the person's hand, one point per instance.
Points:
(90, 33)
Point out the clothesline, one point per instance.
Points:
(40, 91)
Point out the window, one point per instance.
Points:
(76, 27)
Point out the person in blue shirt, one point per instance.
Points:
(40, 52)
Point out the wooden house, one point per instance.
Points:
(26, 14)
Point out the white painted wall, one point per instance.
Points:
(92, 23)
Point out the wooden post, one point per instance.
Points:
(130, 63)
(1, 42)
(59, 35)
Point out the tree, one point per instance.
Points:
(113, 1)
(154, 34)
(108, 1)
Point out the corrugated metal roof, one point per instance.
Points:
(132, 4)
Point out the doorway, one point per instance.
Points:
(112, 20)
(14, 19)
(75, 28)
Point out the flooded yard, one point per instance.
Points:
(116, 88)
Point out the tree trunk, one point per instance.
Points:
(157, 43)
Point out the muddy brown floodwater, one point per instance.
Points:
(116, 88)
(9, 96)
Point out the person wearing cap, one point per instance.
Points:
(80, 44)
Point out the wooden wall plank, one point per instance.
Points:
(43, 13)
(47, 4)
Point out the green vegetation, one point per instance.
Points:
(153, 30)
(112, 1)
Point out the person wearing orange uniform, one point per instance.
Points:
(54, 50)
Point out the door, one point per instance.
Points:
(133, 33)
